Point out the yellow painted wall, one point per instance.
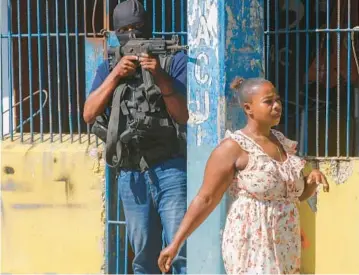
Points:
(51, 218)
(334, 230)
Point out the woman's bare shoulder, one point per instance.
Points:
(233, 152)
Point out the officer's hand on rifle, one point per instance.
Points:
(126, 66)
(152, 64)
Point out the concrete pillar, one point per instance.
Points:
(226, 39)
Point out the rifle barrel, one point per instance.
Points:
(178, 47)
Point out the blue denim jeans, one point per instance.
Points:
(154, 203)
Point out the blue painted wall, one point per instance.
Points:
(226, 40)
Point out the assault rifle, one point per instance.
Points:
(153, 47)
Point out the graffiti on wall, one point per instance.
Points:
(203, 56)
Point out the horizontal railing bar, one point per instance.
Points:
(179, 33)
(331, 158)
(117, 222)
(312, 31)
(35, 35)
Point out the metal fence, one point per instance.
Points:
(49, 52)
(311, 57)
(44, 77)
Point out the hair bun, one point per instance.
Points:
(236, 83)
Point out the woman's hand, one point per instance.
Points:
(166, 257)
(317, 177)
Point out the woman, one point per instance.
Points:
(258, 165)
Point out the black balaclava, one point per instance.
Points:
(130, 12)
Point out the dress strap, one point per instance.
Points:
(290, 146)
(245, 143)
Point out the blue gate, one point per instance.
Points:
(42, 82)
(311, 57)
(49, 51)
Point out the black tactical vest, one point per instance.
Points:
(140, 132)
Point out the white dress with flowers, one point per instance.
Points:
(262, 232)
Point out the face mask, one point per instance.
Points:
(123, 37)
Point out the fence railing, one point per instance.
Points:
(311, 57)
(43, 62)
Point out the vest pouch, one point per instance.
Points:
(127, 135)
(100, 127)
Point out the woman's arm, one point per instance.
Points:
(219, 173)
(309, 190)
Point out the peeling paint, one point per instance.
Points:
(205, 98)
(221, 116)
(244, 52)
(340, 171)
(94, 52)
(231, 25)
(203, 84)
(203, 17)
(226, 40)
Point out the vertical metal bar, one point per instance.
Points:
(20, 72)
(286, 68)
(10, 68)
(276, 37)
(182, 20)
(107, 224)
(58, 69)
(306, 77)
(338, 78)
(145, 4)
(173, 15)
(85, 26)
(163, 6)
(69, 91)
(153, 17)
(30, 69)
(126, 249)
(105, 26)
(85, 31)
(39, 51)
(106, 17)
(49, 70)
(327, 81)
(297, 60)
(118, 227)
(317, 42)
(268, 40)
(77, 72)
(348, 81)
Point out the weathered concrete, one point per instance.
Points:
(226, 40)
(51, 208)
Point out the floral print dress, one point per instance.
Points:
(262, 232)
